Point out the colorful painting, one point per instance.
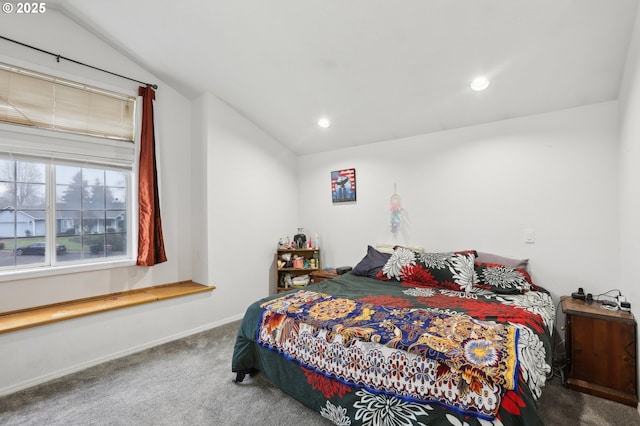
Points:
(343, 185)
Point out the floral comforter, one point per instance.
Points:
(362, 351)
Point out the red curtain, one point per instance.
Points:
(150, 240)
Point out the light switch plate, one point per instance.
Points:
(529, 236)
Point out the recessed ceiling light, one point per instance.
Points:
(479, 83)
(324, 123)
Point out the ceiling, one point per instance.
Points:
(378, 69)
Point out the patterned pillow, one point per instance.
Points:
(449, 270)
(502, 279)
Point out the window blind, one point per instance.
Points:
(33, 99)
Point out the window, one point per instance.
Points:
(87, 221)
(65, 193)
(91, 212)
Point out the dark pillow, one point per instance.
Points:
(449, 270)
(502, 279)
(371, 263)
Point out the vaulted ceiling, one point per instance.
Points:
(378, 69)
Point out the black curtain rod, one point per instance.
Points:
(58, 57)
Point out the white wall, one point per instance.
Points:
(629, 176)
(250, 198)
(227, 192)
(479, 188)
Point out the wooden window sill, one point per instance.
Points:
(40, 315)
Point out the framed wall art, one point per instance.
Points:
(343, 185)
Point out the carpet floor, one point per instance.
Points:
(189, 382)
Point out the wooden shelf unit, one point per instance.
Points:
(601, 351)
(307, 254)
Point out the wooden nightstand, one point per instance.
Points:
(323, 274)
(601, 351)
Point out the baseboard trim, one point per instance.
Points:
(82, 366)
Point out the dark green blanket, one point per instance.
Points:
(347, 403)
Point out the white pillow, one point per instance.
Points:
(501, 260)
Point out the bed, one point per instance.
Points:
(408, 338)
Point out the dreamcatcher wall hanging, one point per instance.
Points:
(396, 211)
